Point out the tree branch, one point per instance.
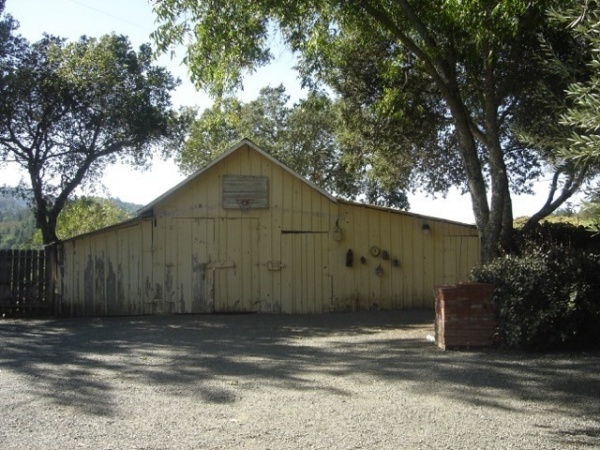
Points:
(387, 23)
(572, 185)
(419, 26)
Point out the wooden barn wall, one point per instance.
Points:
(194, 256)
(409, 263)
(106, 273)
(272, 259)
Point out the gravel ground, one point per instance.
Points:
(334, 381)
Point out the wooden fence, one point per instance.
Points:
(23, 286)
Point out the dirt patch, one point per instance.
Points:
(332, 381)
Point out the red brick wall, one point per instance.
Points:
(464, 315)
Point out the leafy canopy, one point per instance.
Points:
(69, 109)
(84, 215)
(582, 117)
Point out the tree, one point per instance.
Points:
(8, 39)
(69, 109)
(582, 118)
(568, 131)
(84, 215)
(87, 214)
(303, 136)
(468, 65)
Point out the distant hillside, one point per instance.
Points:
(17, 224)
(130, 208)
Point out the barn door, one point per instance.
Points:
(235, 265)
(188, 282)
(461, 254)
(305, 284)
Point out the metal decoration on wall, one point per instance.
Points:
(349, 258)
(374, 250)
(379, 270)
(396, 262)
(385, 255)
(336, 233)
(363, 260)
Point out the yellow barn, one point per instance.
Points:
(247, 234)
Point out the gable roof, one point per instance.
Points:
(243, 143)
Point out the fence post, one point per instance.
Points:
(6, 263)
(51, 274)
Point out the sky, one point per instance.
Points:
(134, 18)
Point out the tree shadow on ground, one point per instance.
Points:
(78, 362)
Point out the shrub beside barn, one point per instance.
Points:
(247, 234)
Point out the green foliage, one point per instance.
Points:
(82, 215)
(581, 118)
(69, 109)
(567, 125)
(88, 214)
(578, 220)
(590, 209)
(545, 298)
(556, 233)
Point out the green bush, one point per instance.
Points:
(545, 298)
(556, 233)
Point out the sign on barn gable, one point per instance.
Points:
(245, 192)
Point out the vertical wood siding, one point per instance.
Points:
(194, 256)
(23, 283)
(102, 274)
(443, 256)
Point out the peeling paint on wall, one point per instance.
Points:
(149, 289)
(111, 291)
(170, 285)
(121, 301)
(199, 301)
(88, 286)
(99, 293)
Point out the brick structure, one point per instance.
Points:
(464, 315)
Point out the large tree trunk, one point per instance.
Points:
(489, 222)
(507, 241)
(46, 222)
(443, 68)
(49, 236)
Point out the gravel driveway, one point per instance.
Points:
(333, 381)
